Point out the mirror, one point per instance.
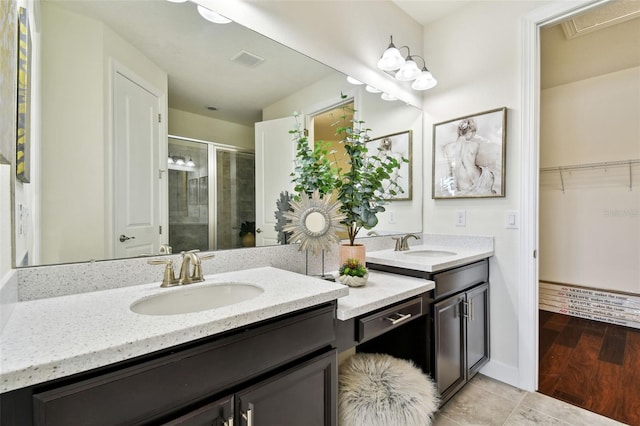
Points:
(316, 223)
(240, 78)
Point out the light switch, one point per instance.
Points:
(511, 220)
(461, 218)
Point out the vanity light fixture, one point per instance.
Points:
(353, 81)
(372, 89)
(388, 97)
(212, 16)
(190, 163)
(207, 13)
(405, 68)
(179, 161)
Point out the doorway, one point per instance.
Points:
(589, 291)
(211, 189)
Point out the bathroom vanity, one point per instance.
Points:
(253, 361)
(271, 359)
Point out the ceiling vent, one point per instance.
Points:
(247, 59)
(610, 14)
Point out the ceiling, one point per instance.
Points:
(197, 56)
(425, 12)
(608, 46)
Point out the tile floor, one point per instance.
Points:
(485, 401)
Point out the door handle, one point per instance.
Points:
(248, 417)
(258, 231)
(124, 238)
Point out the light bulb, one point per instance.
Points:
(388, 97)
(190, 163)
(212, 16)
(353, 81)
(372, 89)
(170, 160)
(180, 161)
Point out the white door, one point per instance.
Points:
(275, 152)
(136, 169)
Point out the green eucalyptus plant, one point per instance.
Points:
(363, 188)
(313, 169)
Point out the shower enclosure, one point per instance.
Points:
(211, 194)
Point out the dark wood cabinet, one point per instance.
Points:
(302, 395)
(458, 330)
(461, 340)
(289, 361)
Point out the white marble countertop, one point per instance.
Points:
(382, 289)
(55, 337)
(434, 262)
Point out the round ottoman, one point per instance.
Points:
(380, 390)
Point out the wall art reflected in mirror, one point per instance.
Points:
(116, 79)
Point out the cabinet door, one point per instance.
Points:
(449, 345)
(218, 413)
(304, 395)
(477, 328)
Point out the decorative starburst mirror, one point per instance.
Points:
(315, 222)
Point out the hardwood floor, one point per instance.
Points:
(591, 364)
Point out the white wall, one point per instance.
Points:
(189, 125)
(476, 54)
(590, 235)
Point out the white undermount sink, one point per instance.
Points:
(429, 253)
(196, 299)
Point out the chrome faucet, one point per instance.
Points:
(402, 243)
(189, 259)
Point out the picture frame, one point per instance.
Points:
(469, 156)
(398, 145)
(23, 125)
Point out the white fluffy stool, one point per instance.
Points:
(380, 390)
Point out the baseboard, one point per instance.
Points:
(610, 306)
(502, 372)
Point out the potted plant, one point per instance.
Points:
(365, 186)
(248, 233)
(362, 188)
(353, 273)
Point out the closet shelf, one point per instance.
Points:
(603, 165)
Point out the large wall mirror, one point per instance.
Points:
(121, 87)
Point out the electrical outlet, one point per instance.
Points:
(461, 218)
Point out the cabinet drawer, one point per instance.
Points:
(459, 279)
(151, 389)
(381, 322)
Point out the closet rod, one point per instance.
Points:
(603, 165)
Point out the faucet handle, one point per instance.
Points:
(197, 275)
(169, 278)
(398, 243)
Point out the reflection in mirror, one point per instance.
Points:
(187, 77)
(316, 222)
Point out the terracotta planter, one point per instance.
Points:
(357, 251)
(248, 240)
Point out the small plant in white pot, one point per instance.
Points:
(353, 273)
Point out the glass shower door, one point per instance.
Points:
(211, 196)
